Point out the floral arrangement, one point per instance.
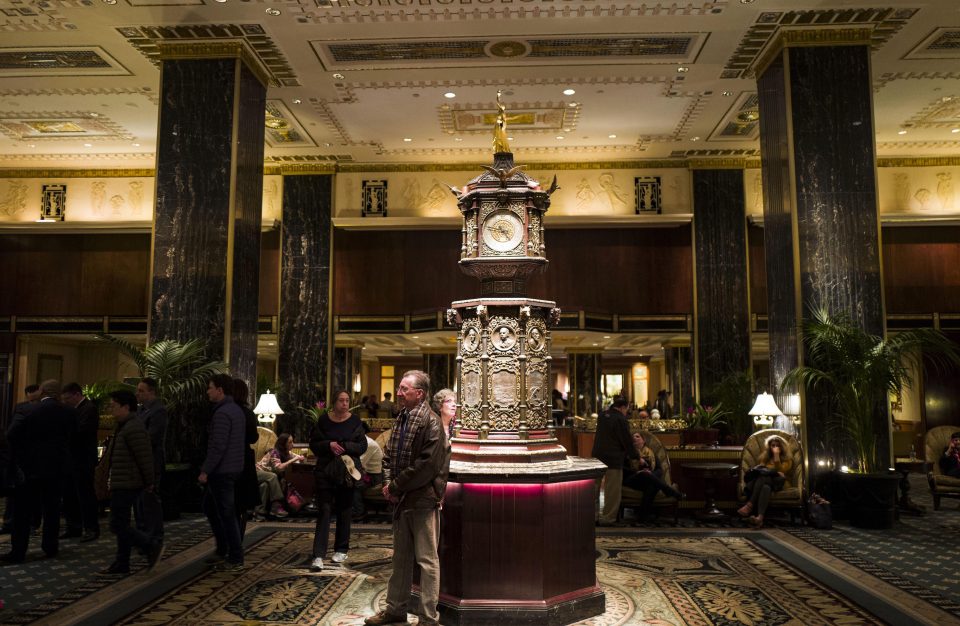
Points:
(699, 416)
(317, 411)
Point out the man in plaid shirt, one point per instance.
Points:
(416, 460)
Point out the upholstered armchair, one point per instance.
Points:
(632, 498)
(936, 441)
(791, 497)
(267, 440)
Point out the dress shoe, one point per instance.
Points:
(228, 566)
(9, 558)
(116, 568)
(88, 537)
(385, 619)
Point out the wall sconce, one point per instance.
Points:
(764, 410)
(356, 383)
(791, 407)
(267, 408)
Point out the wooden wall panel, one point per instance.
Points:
(921, 269)
(74, 274)
(757, 269)
(640, 271)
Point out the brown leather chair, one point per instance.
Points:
(935, 442)
(793, 495)
(632, 498)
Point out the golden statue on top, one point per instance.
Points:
(500, 129)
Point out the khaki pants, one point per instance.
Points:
(612, 486)
(415, 540)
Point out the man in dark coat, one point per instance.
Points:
(222, 468)
(149, 510)
(80, 506)
(611, 446)
(39, 443)
(20, 411)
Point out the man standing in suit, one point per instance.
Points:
(80, 506)
(612, 445)
(20, 412)
(40, 447)
(153, 413)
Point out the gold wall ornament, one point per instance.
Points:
(53, 206)
(500, 129)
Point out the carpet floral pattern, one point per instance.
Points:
(661, 580)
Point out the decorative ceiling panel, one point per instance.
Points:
(887, 22)
(942, 43)
(475, 52)
(34, 16)
(146, 38)
(49, 126)
(283, 130)
(72, 61)
(741, 122)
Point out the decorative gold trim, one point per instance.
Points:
(805, 37)
(222, 49)
(62, 173)
(355, 168)
(307, 168)
(944, 161)
(717, 164)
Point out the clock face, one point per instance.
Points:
(502, 231)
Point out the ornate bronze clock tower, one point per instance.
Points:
(508, 474)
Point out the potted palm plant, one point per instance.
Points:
(853, 371)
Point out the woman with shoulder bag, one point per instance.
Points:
(337, 440)
(767, 478)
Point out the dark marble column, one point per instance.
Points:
(303, 356)
(678, 361)
(442, 369)
(721, 287)
(345, 368)
(206, 244)
(584, 371)
(820, 204)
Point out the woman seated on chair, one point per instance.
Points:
(270, 469)
(643, 475)
(767, 478)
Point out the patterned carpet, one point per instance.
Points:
(657, 574)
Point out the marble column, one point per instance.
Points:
(345, 368)
(206, 241)
(721, 287)
(442, 369)
(678, 361)
(584, 370)
(304, 355)
(821, 227)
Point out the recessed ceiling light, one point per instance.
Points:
(297, 100)
(94, 115)
(683, 69)
(458, 138)
(509, 138)
(955, 130)
(726, 93)
(426, 344)
(338, 76)
(606, 336)
(901, 132)
(573, 104)
(407, 139)
(272, 11)
(596, 344)
(611, 136)
(559, 136)
(109, 1)
(269, 343)
(566, 130)
(88, 145)
(135, 145)
(449, 94)
(221, 2)
(746, 1)
(415, 337)
(569, 92)
(33, 145)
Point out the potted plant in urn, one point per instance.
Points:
(702, 422)
(853, 372)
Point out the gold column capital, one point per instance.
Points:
(219, 49)
(797, 37)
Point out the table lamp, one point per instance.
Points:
(267, 408)
(764, 410)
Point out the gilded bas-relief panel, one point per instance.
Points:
(924, 190)
(89, 200)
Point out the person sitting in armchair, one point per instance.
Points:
(768, 477)
(950, 459)
(643, 475)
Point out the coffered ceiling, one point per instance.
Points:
(402, 81)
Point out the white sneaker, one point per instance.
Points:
(339, 557)
(316, 565)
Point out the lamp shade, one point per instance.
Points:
(765, 406)
(267, 408)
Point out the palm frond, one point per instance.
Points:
(133, 351)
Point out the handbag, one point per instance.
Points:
(337, 474)
(819, 513)
(294, 500)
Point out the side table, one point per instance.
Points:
(709, 472)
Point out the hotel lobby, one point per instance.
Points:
(529, 200)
